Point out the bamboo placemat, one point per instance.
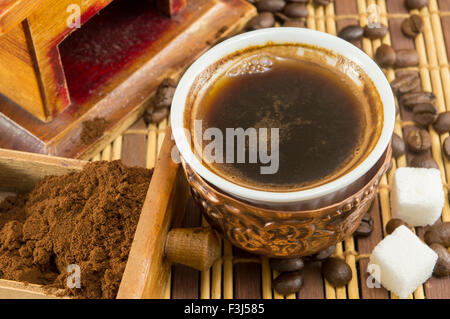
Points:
(239, 274)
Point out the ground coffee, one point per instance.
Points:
(87, 218)
(93, 129)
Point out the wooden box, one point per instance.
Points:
(147, 271)
(65, 62)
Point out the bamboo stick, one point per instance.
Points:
(205, 277)
(106, 153)
(266, 278)
(160, 139)
(216, 290)
(227, 270)
(117, 148)
(151, 146)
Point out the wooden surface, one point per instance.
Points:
(13, 12)
(122, 98)
(19, 79)
(238, 274)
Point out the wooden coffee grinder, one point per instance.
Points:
(64, 62)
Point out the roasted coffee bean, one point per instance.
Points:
(336, 271)
(295, 23)
(288, 283)
(442, 124)
(288, 264)
(393, 224)
(416, 4)
(412, 26)
(296, 10)
(375, 31)
(425, 114)
(402, 73)
(301, 1)
(156, 115)
(366, 227)
(446, 147)
(418, 140)
(410, 100)
(323, 2)
(442, 267)
(385, 56)
(351, 33)
(423, 161)
(438, 234)
(325, 253)
(405, 83)
(270, 5)
(406, 57)
(398, 146)
(261, 21)
(164, 94)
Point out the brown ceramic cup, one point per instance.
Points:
(286, 224)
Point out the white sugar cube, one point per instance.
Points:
(402, 262)
(417, 195)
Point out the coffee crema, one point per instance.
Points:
(327, 124)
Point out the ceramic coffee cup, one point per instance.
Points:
(286, 224)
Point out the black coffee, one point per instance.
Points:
(322, 123)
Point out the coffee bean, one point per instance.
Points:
(261, 21)
(405, 83)
(295, 23)
(385, 56)
(301, 1)
(351, 33)
(288, 264)
(418, 140)
(393, 224)
(156, 115)
(375, 31)
(288, 283)
(406, 57)
(401, 73)
(336, 271)
(425, 114)
(323, 2)
(410, 100)
(270, 5)
(365, 228)
(398, 146)
(442, 267)
(423, 161)
(416, 4)
(165, 93)
(412, 26)
(438, 234)
(325, 253)
(296, 10)
(442, 124)
(446, 147)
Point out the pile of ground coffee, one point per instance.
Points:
(93, 129)
(87, 218)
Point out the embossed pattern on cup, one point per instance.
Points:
(280, 233)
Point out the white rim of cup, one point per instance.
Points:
(283, 35)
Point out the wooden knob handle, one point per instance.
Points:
(194, 247)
